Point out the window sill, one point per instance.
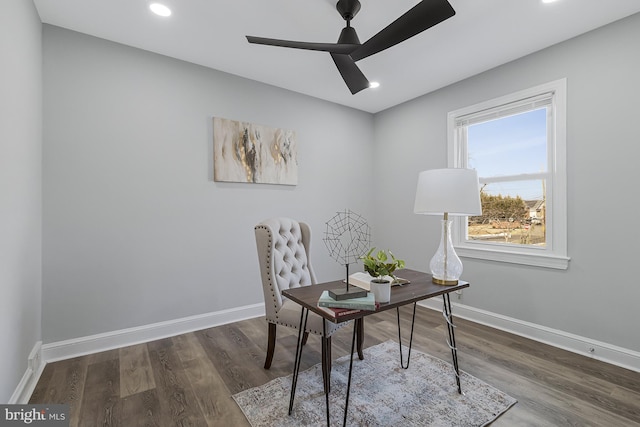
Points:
(536, 260)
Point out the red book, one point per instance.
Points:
(340, 312)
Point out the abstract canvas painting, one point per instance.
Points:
(246, 152)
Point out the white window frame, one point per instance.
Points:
(554, 253)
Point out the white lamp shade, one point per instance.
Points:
(453, 191)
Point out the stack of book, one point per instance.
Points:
(344, 307)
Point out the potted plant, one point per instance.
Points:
(381, 267)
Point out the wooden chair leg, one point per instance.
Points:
(326, 363)
(271, 345)
(360, 336)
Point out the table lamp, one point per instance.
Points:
(447, 192)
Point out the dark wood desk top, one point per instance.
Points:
(420, 288)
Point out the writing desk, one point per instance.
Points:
(420, 288)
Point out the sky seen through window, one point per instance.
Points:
(510, 146)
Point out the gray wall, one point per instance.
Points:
(135, 231)
(20, 188)
(597, 297)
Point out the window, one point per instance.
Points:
(517, 144)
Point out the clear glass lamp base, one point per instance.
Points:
(445, 265)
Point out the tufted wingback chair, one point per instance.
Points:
(283, 253)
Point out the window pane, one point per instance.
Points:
(512, 213)
(510, 145)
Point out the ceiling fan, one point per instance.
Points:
(348, 49)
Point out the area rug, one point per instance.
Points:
(382, 394)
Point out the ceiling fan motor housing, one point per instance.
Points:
(348, 36)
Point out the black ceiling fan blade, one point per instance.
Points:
(351, 74)
(341, 48)
(422, 16)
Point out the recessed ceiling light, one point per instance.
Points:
(374, 85)
(160, 9)
(548, 1)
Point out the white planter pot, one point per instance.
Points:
(381, 291)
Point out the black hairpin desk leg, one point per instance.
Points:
(304, 314)
(346, 403)
(446, 312)
(413, 322)
(325, 365)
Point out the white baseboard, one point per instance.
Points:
(27, 384)
(45, 353)
(61, 350)
(598, 350)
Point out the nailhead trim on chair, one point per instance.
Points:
(273, 294)
(313, 331)
(271, 284)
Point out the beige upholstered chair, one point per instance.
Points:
(283, 253)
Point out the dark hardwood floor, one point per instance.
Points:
(188, 380)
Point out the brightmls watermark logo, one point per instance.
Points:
(34, 415)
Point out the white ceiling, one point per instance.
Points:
(482, 35)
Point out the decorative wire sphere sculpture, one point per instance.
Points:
(347, 237)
